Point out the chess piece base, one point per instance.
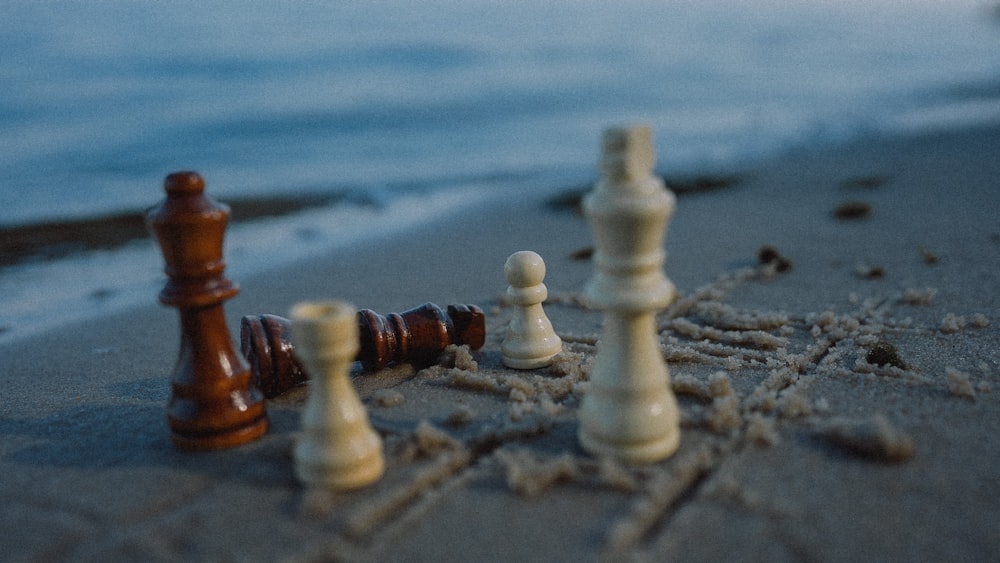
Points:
(530, 363)
(232, 439)
(636, 452)
(325, 470)
(213, 404)
(629, 412)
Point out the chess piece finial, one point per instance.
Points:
(529, 342)
(213, 402)
(417, 336)
(629, 411)
(338, 447)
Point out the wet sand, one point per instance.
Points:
(834, 350)
(59, 238)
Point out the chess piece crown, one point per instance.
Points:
(213, 402)
(628, 211)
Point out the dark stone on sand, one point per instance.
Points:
(884, 354)
(582, 254)
(871, 272)
(769, 255)
(699, 184)
(852, 210)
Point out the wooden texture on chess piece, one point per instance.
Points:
(629, 411)
(529, 341)
(213, 402)
(417, 336)
(338, 448)
(266, 342)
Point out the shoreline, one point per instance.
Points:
(52, 240)
(72, 245)
(83, 251)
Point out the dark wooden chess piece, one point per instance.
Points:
(416, 337)
(214, 403)
(266, 343)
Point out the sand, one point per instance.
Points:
(840, 391)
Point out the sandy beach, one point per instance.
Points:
(840, 392)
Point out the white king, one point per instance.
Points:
(629, 411)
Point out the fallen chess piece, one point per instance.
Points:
(416, 337)
(213, 401)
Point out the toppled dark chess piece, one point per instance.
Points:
(213, 403)
(416, 337)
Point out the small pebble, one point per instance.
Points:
(769, 256)
(885, 354)
(852, 210)
(387, 398)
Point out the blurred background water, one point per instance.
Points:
(427, 106)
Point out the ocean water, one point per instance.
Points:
(415, 107)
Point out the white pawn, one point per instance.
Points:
(629, 411)
(338, 448)
(530, 342)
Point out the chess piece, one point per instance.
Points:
(338, 448)
(213, 402)
(629, 411)
(529, 341)
(417, 337)
(266, 342)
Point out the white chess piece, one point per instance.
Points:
(629, 411)
(338, 448)
(530, 342)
